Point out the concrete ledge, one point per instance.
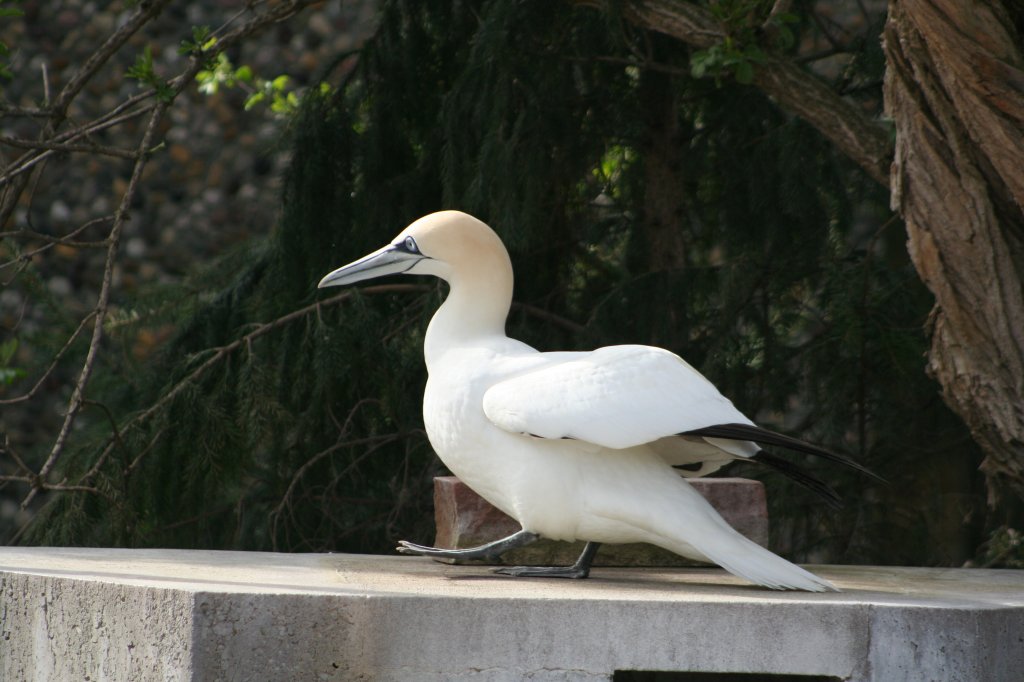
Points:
(181, 615)
(464, 519)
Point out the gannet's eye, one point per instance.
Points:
(410, 245)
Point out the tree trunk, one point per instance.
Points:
(955, 89)
(664, 185)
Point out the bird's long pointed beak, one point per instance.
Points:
(389, 260)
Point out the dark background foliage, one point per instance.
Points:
(583, 143)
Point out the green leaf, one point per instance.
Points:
(142, 69)
(253, 99)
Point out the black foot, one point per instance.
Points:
(579, 570)
(492, 550)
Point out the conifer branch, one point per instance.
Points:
(221, 353)
(376, 441)
(794, 89)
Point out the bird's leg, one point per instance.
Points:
(492, 550)
(580, 569)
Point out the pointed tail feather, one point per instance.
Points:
(698, 531)
(762, 567)
(745, 558)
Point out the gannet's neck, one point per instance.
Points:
(476, 307)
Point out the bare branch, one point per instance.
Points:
(114, 238)
(15, 456)
(67, 240)
(222, 352)
(53, 363)
(145, 11)
(64, 147)
(29, 112)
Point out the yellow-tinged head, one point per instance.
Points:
(451, 245)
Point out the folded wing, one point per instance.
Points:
(616, 397)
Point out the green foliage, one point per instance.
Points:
(727, 57)
(277, 93)
(144, 72)
(792, 292)
(750, 29)
(202, 42)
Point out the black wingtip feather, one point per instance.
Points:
(766, 437)
(801, 477)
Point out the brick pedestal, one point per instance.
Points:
(464, 519)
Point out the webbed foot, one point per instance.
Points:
(579, 570)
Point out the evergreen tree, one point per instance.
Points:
(639, 205)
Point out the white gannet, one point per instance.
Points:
(573, 445)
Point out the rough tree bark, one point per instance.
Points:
(955, 89)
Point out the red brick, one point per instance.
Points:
(464, 519)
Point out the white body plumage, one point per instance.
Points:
(574, 446)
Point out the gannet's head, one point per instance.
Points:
(442, 244)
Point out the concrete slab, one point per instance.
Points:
(112, 614)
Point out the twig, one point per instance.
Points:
(31, 112)
(28, 161)
(63, 147)
(14, 455)
(114, 238)
(221, 352)
(147, 10)
(377, 441)
(53, 363)
(67, 240)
